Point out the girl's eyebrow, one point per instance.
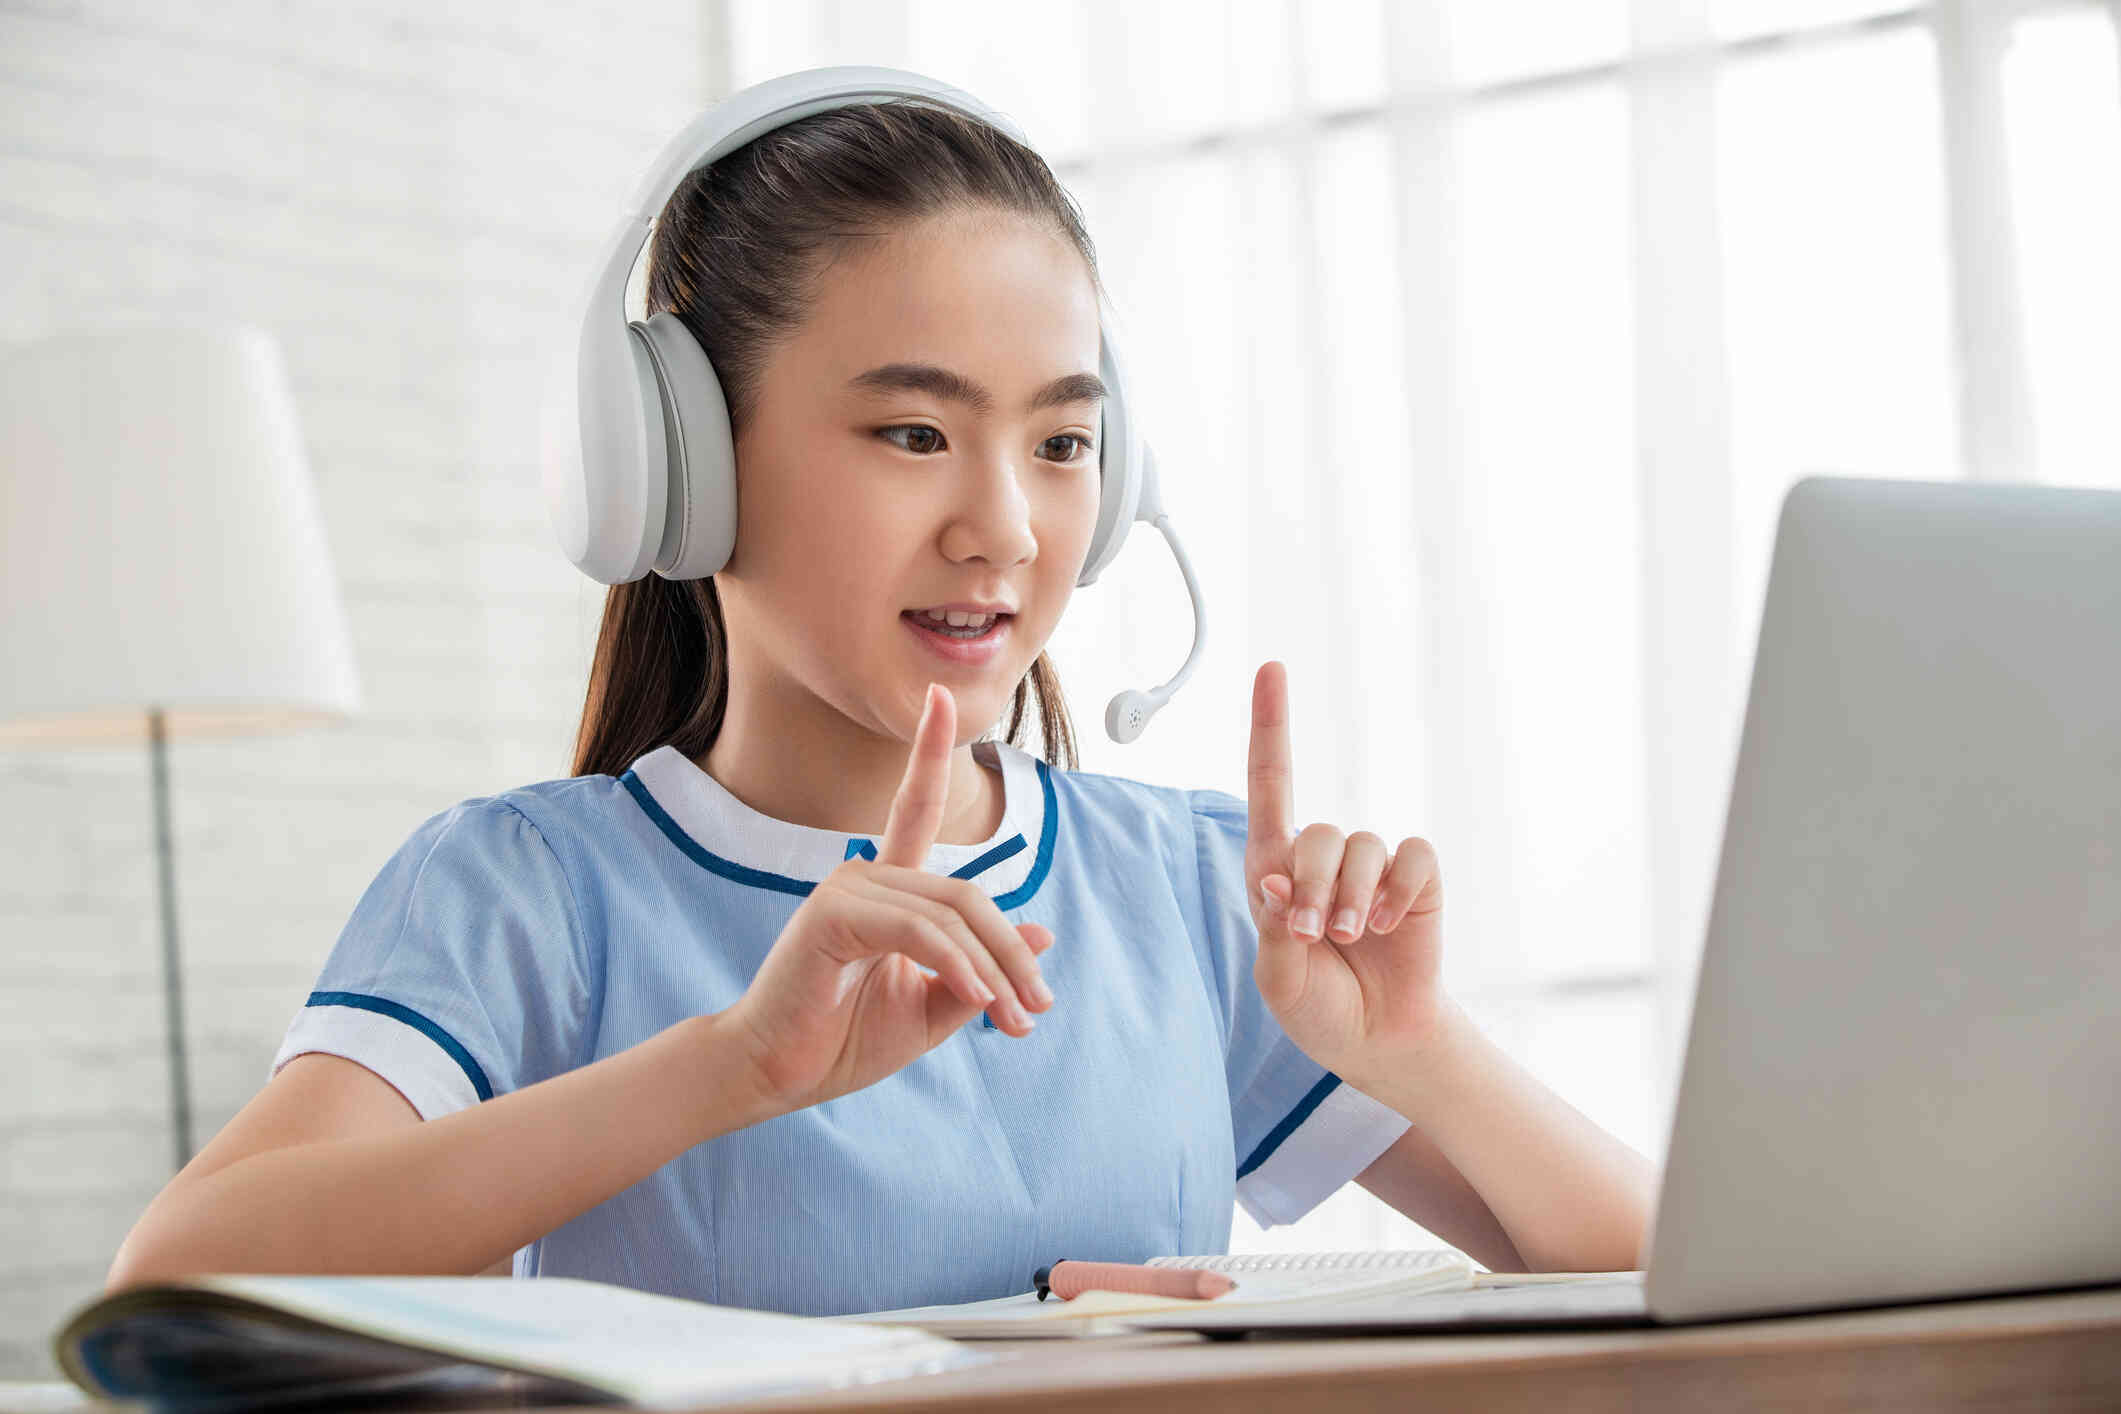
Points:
(956, 387)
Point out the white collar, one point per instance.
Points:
(777, 854)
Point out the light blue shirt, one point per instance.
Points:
(517, 936)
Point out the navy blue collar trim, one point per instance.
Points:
(1013, 845)
(781, 883)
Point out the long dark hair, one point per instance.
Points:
(733, 255)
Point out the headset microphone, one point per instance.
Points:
(1129, 712)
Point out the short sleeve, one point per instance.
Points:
(462, 973)
(1301, 1131)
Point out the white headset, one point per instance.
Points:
(657, 484)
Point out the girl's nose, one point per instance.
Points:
(993, 520)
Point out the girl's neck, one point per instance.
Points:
(845, 784)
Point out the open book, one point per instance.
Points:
(1279, 1279)
(225, 1343)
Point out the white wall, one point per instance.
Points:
(408, 196)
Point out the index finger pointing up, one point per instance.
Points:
(1268, 806)
(917, 809)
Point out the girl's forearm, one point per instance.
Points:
(458, 1193)
(1570, 1196)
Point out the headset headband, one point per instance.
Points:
(656, 488)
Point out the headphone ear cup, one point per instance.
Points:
(699, 523)
(1119, 466)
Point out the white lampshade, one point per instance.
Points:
(160, 544)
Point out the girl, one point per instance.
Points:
(803, 992)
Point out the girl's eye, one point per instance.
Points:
(1082, 443)
(917, 429)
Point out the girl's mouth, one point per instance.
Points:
(971, 644)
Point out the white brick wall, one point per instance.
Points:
(408, 196)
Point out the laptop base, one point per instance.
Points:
(1600, 1303)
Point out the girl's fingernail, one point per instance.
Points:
(1275, 903)
(1344, 921)
(1305, 923)
(1040, 993)
(1379, 917)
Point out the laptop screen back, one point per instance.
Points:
(1903, 1074)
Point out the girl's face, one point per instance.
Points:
(907, 451)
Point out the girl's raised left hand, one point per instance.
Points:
(1350, 945)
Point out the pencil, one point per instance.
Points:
(1068, 1280)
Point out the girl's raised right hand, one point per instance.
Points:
(842, 1000)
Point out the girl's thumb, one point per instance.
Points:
(1274, 891)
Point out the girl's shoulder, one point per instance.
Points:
(536, 822)
(1177, 799)
(563, 796)
(1195, 809)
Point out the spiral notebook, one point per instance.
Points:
(1281, 1280)
(224, 1343)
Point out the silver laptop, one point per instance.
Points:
(1903, 1074)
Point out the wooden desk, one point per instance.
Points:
(2046, 1353)
(2031, 1353)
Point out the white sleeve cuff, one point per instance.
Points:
(424, 1073)
(1336, 1141)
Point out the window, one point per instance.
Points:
(1479, 341)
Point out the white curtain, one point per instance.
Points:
(1479, 340)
